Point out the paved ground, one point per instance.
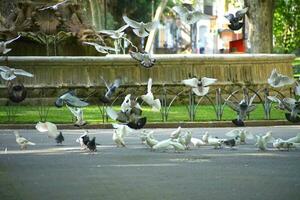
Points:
(47, 171)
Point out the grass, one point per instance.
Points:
(92, 114)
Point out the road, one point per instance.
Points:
(47, 171)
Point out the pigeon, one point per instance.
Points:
(3, 49)
(23, 142)
(205, 137)
(143, 135)
(199, 86)
(197, 142)
(235, 23)
(168, 143)
(295, 139)
(83, 140)
(274, 99)
(115, 34)
(216, 142)
(243, 108)
(175, 134)
(9, 74)
(54, 7)
(262, 141)
(119, 133)
(91, 145)
(100, 48)
(51, 130)
(187, 16)
(283, 144)
(149, 98)
(150, 140)
(278, 80)
(110, 90)
(231, 142)
(185, 139)
(144, 58)
(141, 29)
(70, 99)
(242, 135)
(16, 92)
(78, 113)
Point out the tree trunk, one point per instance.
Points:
(260, 21)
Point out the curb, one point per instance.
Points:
(210, 124)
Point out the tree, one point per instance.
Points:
(287, 25)
(260, 18)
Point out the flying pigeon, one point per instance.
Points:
(91, 145)
(3, 49)
(83, 140)
(51, 130)
(16, 92)
(110, 90)
(149, 98)
(144, 58)
(141, 29)
(242, 135)
(262, 141)
(70, 99)
(242, 108)
(11, 73)
(54, 7)
(199, 86)
(187, 16)
(235, 23)
(23, 142)
(78, 113)
(115, 34)
(100, 48)
(278, 80)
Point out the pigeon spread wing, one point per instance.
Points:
(180, 10)
(150, 26)
(241, 13)
(131, 23)
(23, 72)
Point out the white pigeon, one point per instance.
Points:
(241, 134)
(205, 137)
(23, 142)
(283, 144)
(295, 139)
(150, 140)
(197, 142)
(119, 133)
(279, 80)
(78, 113)
(3, 48)
(51, 130)
(175, 134)
(144, 134)
(199, 86)
(100, 48)
(216, 142)
(168, 143)
(8, 73)
(115, 34)
(185, 139)
(55, 6)
(141, 29)
(262, 141)
(149, 98)
(126, 104)
(187, 16)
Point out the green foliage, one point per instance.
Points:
(286, 26)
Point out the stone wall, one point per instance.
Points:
(54, 75)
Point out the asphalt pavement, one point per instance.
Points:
(50, 171)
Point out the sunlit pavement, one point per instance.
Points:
(48, 171)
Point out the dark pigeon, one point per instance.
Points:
(60, 138)
(235, 21)
(91, 145)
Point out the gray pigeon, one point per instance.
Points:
(9, 74)
(144, 58)
(278, 80)
(70, 99)
(110, 90)
(187, 16)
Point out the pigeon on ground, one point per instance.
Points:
(168, 143)
(149, 98)
(235, 21)
(243, 108)
(141, 29)
(150, 140)
(185, 139)
(78, 113)
(51, 130)
(216, 142)
(70, 99)
(205, 137)
(23, 142)
(197, 142)
(278, 80)
(9, 74)
(283, 144)
(143, 135)
(83, 140)
(145, 59)
(242, 135)
(175, 134)
(3, 49)
(119, 133)
(231, 142)
(115, 34)
(199, 86)
(54, 7)
(262, 141)
(91, 145)
(295, 139)
(110, 90)
(100, 48)
(188, 16)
